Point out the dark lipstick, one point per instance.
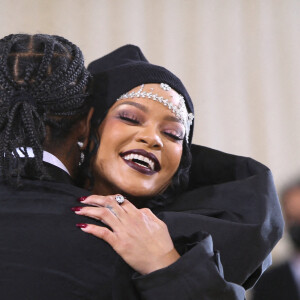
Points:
(143, 169)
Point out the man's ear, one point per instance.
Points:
(84, 128)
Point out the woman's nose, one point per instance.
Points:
(150, 137)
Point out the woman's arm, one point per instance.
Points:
(143, 241)
(234, 199)
(198, 274)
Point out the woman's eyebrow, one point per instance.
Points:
(138, 105)
(172, 119)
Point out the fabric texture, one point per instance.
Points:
(234, 199)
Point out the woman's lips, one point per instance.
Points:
(139, 168)
(142, 161)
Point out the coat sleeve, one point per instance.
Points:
(233, 199)
(197, 274)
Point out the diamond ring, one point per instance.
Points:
(119, 198)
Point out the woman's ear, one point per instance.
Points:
(84, 128)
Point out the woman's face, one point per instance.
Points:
(140, 146)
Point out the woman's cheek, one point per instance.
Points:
(176, 157)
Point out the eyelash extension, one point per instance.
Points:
(133, 119)
(175, 137)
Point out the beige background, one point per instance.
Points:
(239, 59)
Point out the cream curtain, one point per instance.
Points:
(239, 59)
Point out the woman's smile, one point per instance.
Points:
(142, 161)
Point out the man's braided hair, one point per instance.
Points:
(43, 82)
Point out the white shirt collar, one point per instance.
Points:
(47, 157)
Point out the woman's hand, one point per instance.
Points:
(137, 235)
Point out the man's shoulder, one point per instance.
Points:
(40, 188)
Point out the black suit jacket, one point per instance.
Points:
(277, 283)
(43, 254)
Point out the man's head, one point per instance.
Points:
(43, 95)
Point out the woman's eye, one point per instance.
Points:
(129, 118)
(174, 135)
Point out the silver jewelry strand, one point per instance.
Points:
(180, 110)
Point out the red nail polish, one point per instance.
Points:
(76, 208)
(81, 225)
(82, 198)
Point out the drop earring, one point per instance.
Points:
(80, 145)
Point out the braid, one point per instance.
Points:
(42, 72)
(6, 79)
(43, 82)
(31, 131)
(7, 140)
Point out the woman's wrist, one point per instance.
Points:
(163, 262)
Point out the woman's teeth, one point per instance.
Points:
(140, 158)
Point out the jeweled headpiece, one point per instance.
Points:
(127, 68)
(179, 110)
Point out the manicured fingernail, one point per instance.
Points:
(81, 225)
(82, 198)
(76, 208)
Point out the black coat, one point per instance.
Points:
(229, 216)
(277, 283)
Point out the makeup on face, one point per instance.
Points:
(140, 148)
(172, 100)
(173, 127)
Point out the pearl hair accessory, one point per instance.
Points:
(179, 110)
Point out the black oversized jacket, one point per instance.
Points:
(224, 226)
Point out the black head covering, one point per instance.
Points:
(124, 69)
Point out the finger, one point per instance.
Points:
(96, 200)
(100, 213)
(105, 201)
(128, 207)
(100, 232)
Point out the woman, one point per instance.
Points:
(145, 128)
